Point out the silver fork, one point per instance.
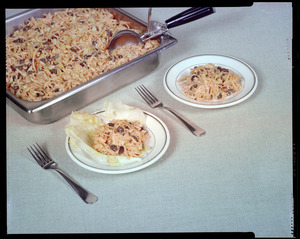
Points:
(47, 163)
(153, 102)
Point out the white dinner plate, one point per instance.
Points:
(159, 142)
(182, 68)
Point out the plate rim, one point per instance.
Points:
(123, 171)
(211, 106)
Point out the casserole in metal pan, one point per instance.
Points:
(53, 109)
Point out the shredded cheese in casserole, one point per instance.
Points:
(53, 54)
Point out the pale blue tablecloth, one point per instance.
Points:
(238, 177)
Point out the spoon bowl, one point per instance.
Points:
(124, 37)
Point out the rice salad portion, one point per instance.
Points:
(118, 136)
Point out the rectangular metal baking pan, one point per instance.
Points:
(47, 111)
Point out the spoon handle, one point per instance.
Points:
(149, 19)
(189, 15)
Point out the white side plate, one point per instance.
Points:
(159, 142)
(182, 68)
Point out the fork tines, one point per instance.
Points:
(39, 155)
(146, 94)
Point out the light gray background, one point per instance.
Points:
(236, 178)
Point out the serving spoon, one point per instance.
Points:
(154, 28)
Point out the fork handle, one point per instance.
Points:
(83, 193)
(195, 129)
